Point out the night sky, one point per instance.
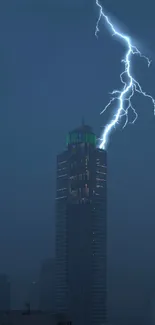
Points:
(53, 71)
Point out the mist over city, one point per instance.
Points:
(77, 218)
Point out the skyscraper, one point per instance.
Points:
(81, 204)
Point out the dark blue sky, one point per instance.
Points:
(53, 71)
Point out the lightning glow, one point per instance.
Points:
(124, 96)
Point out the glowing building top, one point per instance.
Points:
(83, 134)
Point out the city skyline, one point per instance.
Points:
(53, 71)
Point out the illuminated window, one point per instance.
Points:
(77, 137)
(60, 176)
(62, 162)
(74, 193)
(73, 177)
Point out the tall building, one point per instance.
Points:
(81, 204)
(5, 295)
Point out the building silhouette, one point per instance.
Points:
(47, 286)
(31, 317)
(81, 204)
(5, 294)
(33, 295)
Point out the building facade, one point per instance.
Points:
(81, 205)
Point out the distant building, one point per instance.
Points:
(33, 297)
(47, 286)
(5, 294)
(152, 311)
(81, 219)
(24, 318)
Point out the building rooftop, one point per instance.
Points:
(83, 128)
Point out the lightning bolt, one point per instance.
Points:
(124, 96)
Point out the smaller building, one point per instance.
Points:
(34, 295)
(5, 294)
(32, 317)
(47, 286)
